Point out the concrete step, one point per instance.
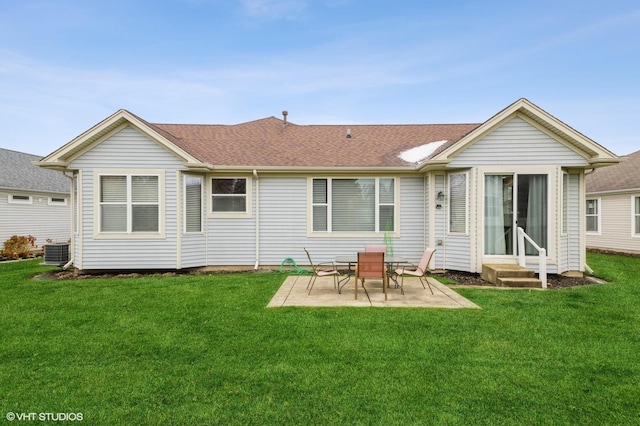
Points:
(491, 272)
(519, 282)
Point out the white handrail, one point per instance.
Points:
(542, 256)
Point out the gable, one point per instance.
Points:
(517, 142)
(62, 157)
(126, 148)
(506, 143)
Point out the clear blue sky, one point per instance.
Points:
(67, 64)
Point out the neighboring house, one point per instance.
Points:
(613, 206)
(250, 195)
(33, 201)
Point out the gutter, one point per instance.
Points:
(74, 218)
(255, 175)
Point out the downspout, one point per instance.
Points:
(255, 176)
(72, 243)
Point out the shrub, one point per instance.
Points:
(18, 247)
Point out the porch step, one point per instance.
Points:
(510, 276)
(519, 282)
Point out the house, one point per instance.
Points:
(613, 206)
(252, 194)
(33, 201)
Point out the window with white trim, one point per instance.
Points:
(192, 204)
(20, 199)
(129, 203)
(458, 203)
(57, 201)
(593, 215)
(565, 203)
(229, 195)
(353, 204)
(636, 216)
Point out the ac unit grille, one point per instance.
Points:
(56, 254)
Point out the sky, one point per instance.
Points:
(65, 65)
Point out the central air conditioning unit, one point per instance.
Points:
(56, 254)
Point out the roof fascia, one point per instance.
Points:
(62, 157)
(525, 108)
(312, 170)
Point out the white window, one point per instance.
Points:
(20, 199)
(229, 195)
(565, 203)
(636, 216)
(458, 203)
(192, 203)
(593, 215)
(353, 205)
(57, 201)
(129, 203)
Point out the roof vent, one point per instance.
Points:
(348, 133)
(284, 117)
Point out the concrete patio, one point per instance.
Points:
(293, 292)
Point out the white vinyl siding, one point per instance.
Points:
(284, 211)
(517, 142)
(37, 218)
(618, 219)
(570, 254)
(127, 151)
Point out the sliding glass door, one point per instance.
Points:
(511, 201)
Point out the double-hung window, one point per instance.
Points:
(458, 203)
(129, 203)
(229, 196)
(192, 204)
(636, 216)
(353, 205)
(593, 215)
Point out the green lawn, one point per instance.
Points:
(205, 350)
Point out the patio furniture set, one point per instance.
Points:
(372, 263)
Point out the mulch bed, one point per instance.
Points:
(554, 282)
(462, 278)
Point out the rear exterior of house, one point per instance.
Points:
(613, 207)
(155, 196)
(33, 201)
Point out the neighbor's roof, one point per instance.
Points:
(272, 142)
(18, 173)
(622, 176)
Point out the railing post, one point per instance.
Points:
(542, 256)
(521, 260)
(543, 267)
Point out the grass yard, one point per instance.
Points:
(205, 350)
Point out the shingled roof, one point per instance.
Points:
(274, 142)
(622, 176)
(18, 173)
